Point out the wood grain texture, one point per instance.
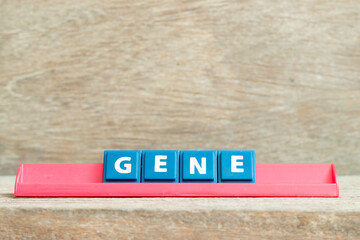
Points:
(279, 77)
(181, 218)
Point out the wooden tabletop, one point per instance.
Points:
(190, 218)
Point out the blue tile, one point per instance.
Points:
(198, 166)
(122, 166)
(236, 166)
(160, 166)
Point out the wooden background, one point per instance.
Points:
(279, 77)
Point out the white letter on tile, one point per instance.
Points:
(126, 165)
(235, 164)
(194, 163)
(159, 163)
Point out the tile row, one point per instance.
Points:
(179, 166)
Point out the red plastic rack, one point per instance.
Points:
(85, 180)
